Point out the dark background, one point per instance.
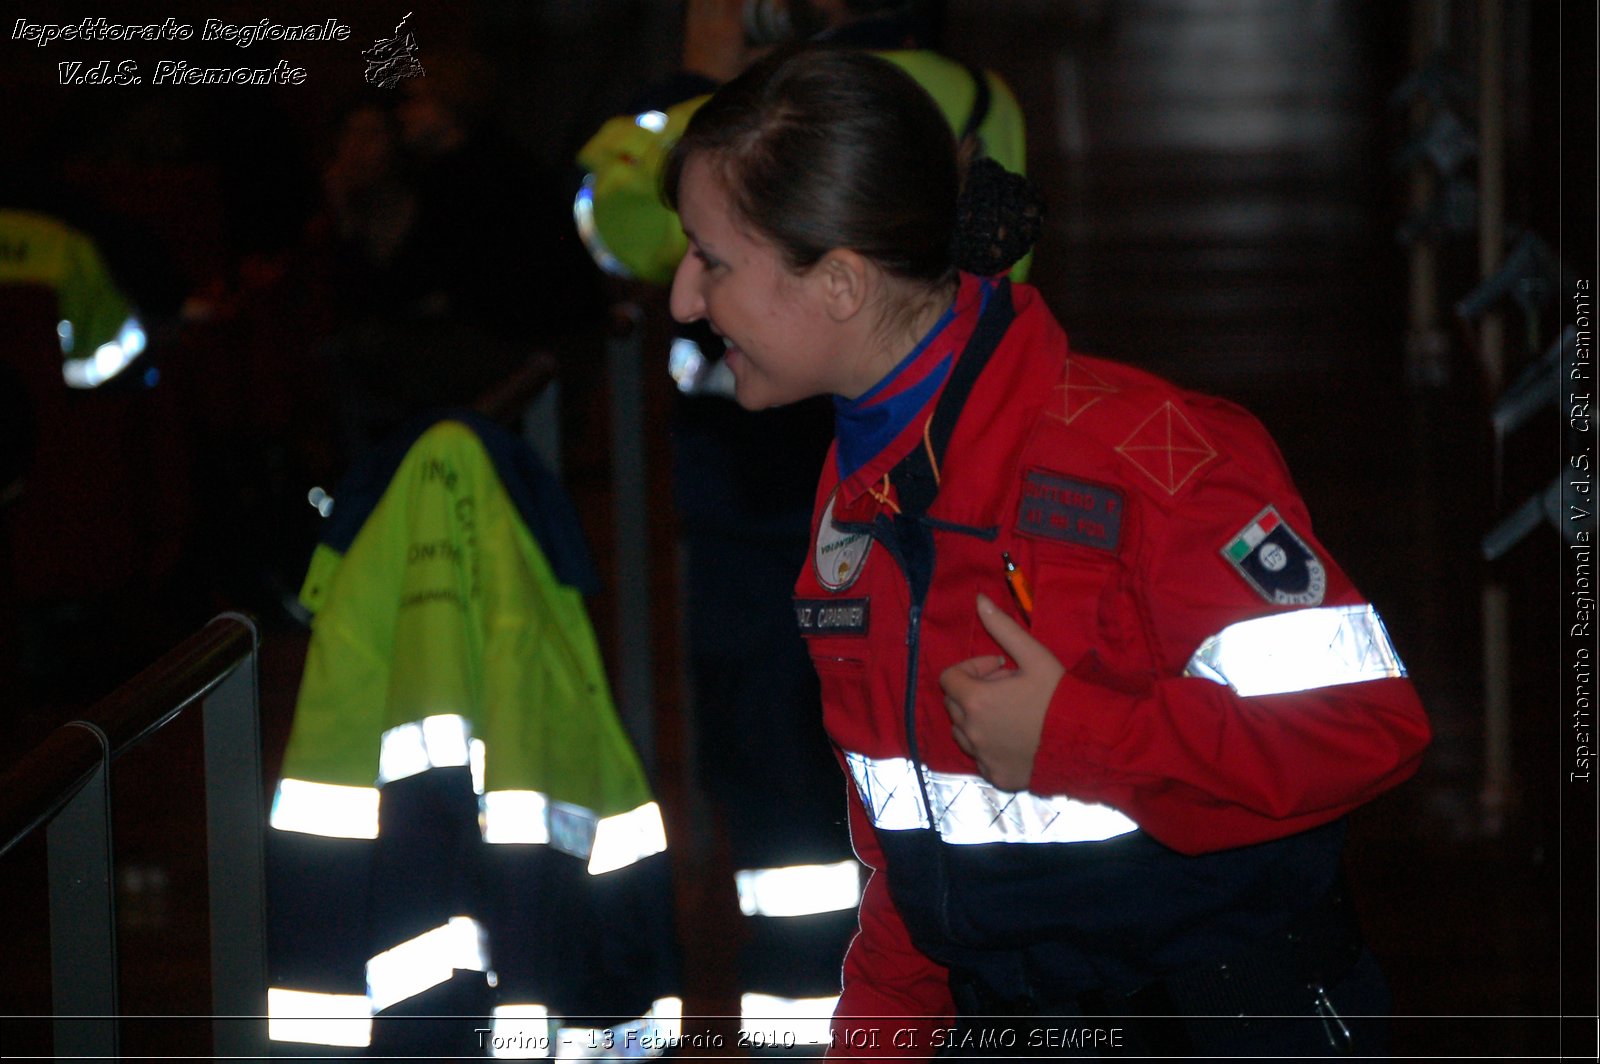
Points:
(1225, 193)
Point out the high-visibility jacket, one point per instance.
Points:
(100, 334)
(458, 794)
(1229, 695)
(632, 232)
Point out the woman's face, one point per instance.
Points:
(778, 333)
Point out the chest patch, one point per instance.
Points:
(840, 556)
(832, 616)
(1277, 563)
(1074, 511)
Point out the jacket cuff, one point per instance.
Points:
(1084, 721)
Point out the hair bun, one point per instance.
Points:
(998, 219)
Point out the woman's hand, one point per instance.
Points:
(997, 713)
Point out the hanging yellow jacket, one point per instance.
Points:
(455, 734)
(631, 232)
(444, 605)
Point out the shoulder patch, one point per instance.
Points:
(1275, 561)
(1167, 448)
(1074, 511)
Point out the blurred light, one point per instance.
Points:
(589, 232)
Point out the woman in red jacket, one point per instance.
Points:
(1102, 696)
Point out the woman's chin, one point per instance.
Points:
(747, 397)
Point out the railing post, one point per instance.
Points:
(83, 917)
(234, 826)
(634, 687)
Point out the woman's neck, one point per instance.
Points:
(909, 314)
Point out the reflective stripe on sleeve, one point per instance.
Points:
(318, 1019)
(626, 838)
(970, 810)
(799, 890)
(648, 1036)
(520, 1032)
(426, 961)
(328, 809)
(1298, 651)
(528, 1032)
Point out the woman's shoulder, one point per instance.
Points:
(1142, 430)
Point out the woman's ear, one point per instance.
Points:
(843, 275)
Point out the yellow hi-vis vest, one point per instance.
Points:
(631, 232)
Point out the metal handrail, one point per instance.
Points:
(35, 789)
(62, 785)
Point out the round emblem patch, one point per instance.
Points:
(840, 555)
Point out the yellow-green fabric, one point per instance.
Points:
(40, 250)
(624, 161)
(444, 604)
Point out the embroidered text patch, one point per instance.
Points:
(832, 616)
(1054, 507)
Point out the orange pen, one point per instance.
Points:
(1020, 589)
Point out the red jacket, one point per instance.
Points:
(1148, 520)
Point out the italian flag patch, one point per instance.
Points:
(1276, 562)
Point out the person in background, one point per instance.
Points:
(450, 251)
(743, 482)
(1103, 697)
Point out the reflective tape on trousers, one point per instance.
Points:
(969, 810)
(1302, 650)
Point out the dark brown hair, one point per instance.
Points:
(822, 148)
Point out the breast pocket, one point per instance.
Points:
(1073, 607)
(835, 631)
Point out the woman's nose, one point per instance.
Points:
(686, 302)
